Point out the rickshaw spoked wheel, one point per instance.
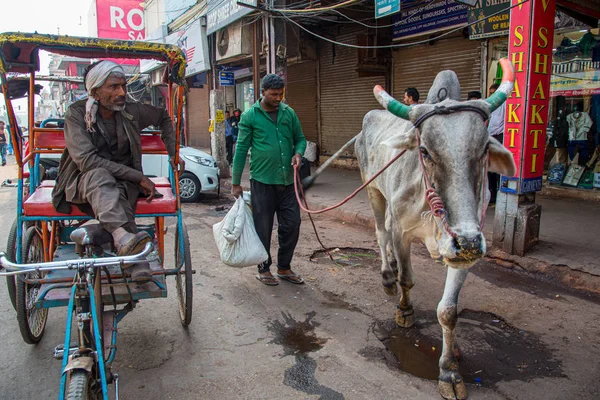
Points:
(11, 254)
(183, 279)
(32, 320)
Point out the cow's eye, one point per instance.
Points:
(425, 153)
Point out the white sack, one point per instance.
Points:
(236, 238)
(311, 151)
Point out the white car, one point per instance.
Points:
(201, 173)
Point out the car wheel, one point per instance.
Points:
(189, 187)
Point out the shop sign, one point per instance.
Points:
(417, 20)
(383, 8)
(530, 50)
(120, 19)
(192, 40)
(496, 25)
(575, 78)
(226, 78)
(223, 12)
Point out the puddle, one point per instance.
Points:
(296, 337)
(349, 257)
(299, 339)
(491, 350)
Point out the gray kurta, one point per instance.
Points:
(89, 172)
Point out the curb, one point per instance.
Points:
(555, 273)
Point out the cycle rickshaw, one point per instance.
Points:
(46, 265)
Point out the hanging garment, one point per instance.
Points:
(579, 125)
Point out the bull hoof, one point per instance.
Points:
(391, 290)
(455, 390)
(405, 318)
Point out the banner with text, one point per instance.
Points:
(223, 12)
(417, 20)
(530, 50)
(484, 25)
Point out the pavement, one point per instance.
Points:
(567, 251)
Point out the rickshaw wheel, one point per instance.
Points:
(11, 254)
(80, 386)
(32, 320)
(183, 279)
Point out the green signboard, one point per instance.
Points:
(384, 8)
(489, 26)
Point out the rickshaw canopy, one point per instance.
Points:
(19, 52)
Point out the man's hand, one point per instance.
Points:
(237, 191)
(174, 166)
(148, 188)
(297, 160)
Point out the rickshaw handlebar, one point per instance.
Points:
(19, 269)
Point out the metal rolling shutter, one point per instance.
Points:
(301, 95)
(417, 66)
(345, 98)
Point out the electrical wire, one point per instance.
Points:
(390, 46)
(310, 10)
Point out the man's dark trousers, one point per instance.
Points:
(266, 201)
(229, 147)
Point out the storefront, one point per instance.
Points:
(417, 65)
(574, 132)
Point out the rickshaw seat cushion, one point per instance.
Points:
(39, 204)
(159, 181)
(91, 234)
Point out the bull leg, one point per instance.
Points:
(379, 205)
(405, 314)
(450, 382)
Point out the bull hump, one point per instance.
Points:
(445, 86)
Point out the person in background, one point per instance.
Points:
(228, 137)
(3, 142)
(496, 130)
(411, 96)
(272, 129)
(474, 95)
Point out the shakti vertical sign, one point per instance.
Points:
(530, 51)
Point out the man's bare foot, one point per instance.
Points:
(267, 278)
(290, 276)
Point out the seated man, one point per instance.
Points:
(101, 168)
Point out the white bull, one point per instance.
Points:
(456, 151)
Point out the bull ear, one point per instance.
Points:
(403, 140)
(501, 160)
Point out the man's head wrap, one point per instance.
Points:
(95, 78)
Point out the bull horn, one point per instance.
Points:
(391, 104)
(506, 87)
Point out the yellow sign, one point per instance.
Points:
(220, 116)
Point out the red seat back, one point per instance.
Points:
(52, 140)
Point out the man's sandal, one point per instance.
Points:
(293, 278)
(267, 280)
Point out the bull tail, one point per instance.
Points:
(309, 180)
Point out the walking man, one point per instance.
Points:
(3, 142)
(101, 167)
(496, 130)
(272, 129)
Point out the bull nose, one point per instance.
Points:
(469, 246)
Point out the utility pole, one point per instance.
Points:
(217, 139)
(517, 219)
(256, 60)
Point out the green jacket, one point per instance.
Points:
(273, 146)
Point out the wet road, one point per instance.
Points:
(333, 338)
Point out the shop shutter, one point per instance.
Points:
(301, 95)
(417, 66)
(345, 97)
(197, 118)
